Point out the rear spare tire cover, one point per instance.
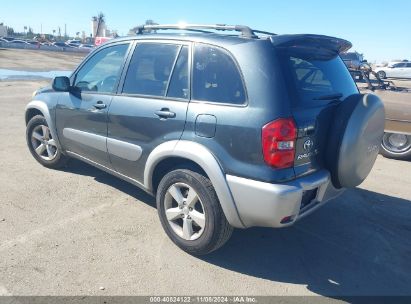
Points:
(354, 139)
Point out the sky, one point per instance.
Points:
(379, 29)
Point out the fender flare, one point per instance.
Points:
(205, 159)
(44, 109)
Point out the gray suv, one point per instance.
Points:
(237, 129)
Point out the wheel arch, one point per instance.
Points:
(173, 154)
(37, 107)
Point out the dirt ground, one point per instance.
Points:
(73, 231)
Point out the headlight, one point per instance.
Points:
(34, 94)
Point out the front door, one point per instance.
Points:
(81, 114)
(151, 108)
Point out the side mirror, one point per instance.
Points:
(61, 84)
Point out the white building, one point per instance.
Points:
(3, 31)
(102, 31)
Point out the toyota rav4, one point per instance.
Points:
(239, 129)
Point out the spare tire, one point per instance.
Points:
(354, 139)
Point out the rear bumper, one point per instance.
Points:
(280, 205)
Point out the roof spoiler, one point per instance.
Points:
(326, 42)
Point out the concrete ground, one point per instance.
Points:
(73, 231)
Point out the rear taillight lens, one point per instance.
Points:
(278, 140)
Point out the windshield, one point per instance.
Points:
(316, 75)
(349, 56)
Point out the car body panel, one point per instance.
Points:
(81, 127)
(397, 70)
(397, 110)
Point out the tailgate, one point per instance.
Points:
(317, 81)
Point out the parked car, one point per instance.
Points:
(73, 41)
(16, 41)
(224, 130)
(396, 70)
(60, 44)
(396, 142)
(86, 46)
(74, 45)
(8, 38)
(353, 61)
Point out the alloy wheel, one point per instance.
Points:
(184, 211)
(43, 143)
(396, 143)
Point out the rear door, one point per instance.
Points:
(318, 81)
(151, 106)
(81, 114)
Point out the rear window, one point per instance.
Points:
(315, 77)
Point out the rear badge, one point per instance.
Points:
(307, 155)
(308, 144)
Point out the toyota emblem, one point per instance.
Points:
(308, 144)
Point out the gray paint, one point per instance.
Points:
(132, 120)
(77, 112)
(205, 125)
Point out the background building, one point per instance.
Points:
(3, 30)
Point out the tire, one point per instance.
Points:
(187, 199)
(41, 144)
(354, 139)
(382, 75)
(396, 146)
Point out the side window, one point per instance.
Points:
(409, 65)
(216, 77)
(178, 86)
(150, 69)
(398, 65)
(102, 71)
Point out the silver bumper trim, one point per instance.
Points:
(266, 205)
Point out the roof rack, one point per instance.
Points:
(246, 32)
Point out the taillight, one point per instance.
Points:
(278, 141)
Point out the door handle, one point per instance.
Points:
(100, 105)
(165, 113)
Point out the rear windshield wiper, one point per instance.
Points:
(335, 96)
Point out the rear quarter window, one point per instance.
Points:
(216, 77)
